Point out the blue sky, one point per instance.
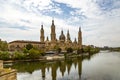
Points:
(98, 19)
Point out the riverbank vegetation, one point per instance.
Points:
(85, 50)
(117, 49)
(31, 53)
(3, 46)
(34, 53)
(90, 50)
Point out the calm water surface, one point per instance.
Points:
(102, 66)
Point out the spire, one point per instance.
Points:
(42, 34)
(68, 36)
(53, 34)
(62, 36)
(75, 41)
(80, 38)
(42, 27)
(47, 39)
(61, 31)
(79, 29)
(53, 22)
(68, 32)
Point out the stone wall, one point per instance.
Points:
(10, 75)
(7, 74)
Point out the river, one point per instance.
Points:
(101, 66)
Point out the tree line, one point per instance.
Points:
(31, 52)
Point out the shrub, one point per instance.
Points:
(18, 56)
(3, 46)
(29, 46)
(25, 50)
(4, 55)
(34, 53)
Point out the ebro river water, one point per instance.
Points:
(104, 65)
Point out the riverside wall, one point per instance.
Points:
(7, 73)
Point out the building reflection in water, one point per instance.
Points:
(56, 69)
(63, 66)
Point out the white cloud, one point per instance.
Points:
(13, 16)
(99, 27)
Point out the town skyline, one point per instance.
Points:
(98, 19)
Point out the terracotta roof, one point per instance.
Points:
(23, 41)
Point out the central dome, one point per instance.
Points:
(62, 36)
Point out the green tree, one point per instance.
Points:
(33, 54)
(25, 50)
(18, 56)
(3, 46)
(86, 49)
(29, 46)
(4, 55)
(90, 50)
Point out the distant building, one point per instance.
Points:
(63, 42)
(20, 44)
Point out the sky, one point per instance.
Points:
(99, 20)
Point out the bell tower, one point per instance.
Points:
(80, 38)
(42, 34)
(68, 37)
(53, 34)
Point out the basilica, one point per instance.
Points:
(63, 42)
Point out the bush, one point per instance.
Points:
(90, 50)
(33, 54)
(18, 56)
(86, 49)
(29, 46)
(25, 50)
(3, 46)
(4, 55)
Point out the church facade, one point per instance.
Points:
(63, 42)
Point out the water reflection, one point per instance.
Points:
(59, 70)
(101, 66)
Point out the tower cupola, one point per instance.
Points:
(62, 36)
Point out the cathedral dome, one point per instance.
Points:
(62, 36)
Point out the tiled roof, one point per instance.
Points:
(24, 41)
